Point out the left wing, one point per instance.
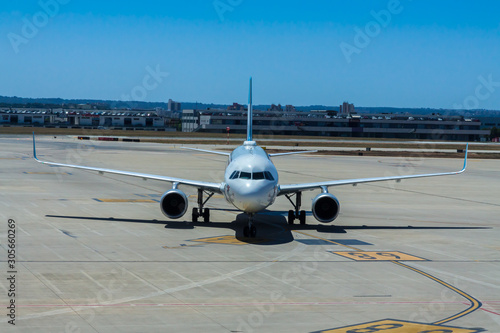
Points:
(212, 187)
(287, 189)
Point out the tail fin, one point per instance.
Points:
(250, 114)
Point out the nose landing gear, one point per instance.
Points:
(250, 230)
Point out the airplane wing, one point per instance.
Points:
(212, 187)
(287, 189)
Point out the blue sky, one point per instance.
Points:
(418, 53)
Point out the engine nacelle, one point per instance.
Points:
(325, 207)
(174, 204)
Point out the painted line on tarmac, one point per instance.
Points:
(227, 304)
(222, 277)
(474, 303)
(125, 200)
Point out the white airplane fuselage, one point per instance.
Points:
(251, 179)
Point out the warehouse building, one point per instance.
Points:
(323, 123)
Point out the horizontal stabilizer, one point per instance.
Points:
(293, 152)
(208, 151)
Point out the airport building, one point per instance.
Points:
(27, 117)
(333, 124)
(118, 119)
(314, 123)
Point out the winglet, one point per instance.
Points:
(34, 147)
(465, 159)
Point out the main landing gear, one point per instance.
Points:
(200, 211)
(297, 214)
(250, 230)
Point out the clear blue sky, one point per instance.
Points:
(423, 54)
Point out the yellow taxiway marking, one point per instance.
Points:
(378, 256)
(126, 200)
(474, 303)
(229, 240)
(398, 326)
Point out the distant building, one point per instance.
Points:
(346, 108)
(82, 118)
(84, 106)
(275, 108)
(489, 122)
(236, 107)
(174, 106)
(290, 108)
(190, 120)
(326, 123)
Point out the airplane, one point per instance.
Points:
(251, 184)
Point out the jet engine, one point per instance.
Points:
(325, 207)
(174, 204)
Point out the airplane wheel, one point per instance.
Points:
(195, 215)
(291, 217)
(206, 215)
(253, 231)
(302, 217)
(246, 231)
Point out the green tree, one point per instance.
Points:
(495, 133)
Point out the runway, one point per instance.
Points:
(95, 254)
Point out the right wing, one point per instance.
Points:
(212, 187)
(293, 188)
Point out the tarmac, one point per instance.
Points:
(94, 253)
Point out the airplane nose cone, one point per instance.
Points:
(252, 197)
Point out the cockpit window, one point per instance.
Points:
(258, 175)
(245, 175)
(255, 176)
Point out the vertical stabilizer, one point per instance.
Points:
(250, 114)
